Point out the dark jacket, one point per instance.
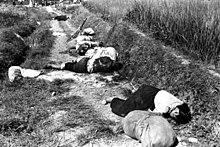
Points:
(142, 99)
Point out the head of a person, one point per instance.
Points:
(82, 49)
(117, 66)
(101, 44)
(88, 32)
(181, 114)
(15, 75)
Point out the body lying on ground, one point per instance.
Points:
(61, 18)
(150, 129)
(16, 72)
(88, 32)
(83, 39)
(103, 64)
(84, 46)
(153, 99)
(100, 59)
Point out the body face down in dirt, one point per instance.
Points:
(153, 99)
(150, 129)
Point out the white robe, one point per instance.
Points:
(15, 71)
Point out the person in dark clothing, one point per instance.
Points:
(61, 18)
(79, 67)
(102, 64)
(153, 99)
(13, 2)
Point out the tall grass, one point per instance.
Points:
(9, 19)
(192, 25)
(110, 9)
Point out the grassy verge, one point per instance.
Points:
(145, 62)
(21, 102)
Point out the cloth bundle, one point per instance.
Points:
(150, 129)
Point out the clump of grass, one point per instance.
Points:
(96, 23)
(192, 26)
(96, 132)
(12, 49)
(82, 115)
(109, 10)
(8, 19)
(41, 42)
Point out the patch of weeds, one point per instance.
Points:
(9, 19)
(14, 125)
(24, 99)
(12, 49)
(82, 115)
(96, 132)
(24, 107)
(41, 42)
(60, 86)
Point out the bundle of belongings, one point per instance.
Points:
(93, 56)
(16, 72)
(150, 129)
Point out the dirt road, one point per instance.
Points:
(92, 88)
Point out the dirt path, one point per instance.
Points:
(92, 88)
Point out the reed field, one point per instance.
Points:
(192, 26)
(110, 10)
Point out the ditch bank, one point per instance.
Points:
(146, 62)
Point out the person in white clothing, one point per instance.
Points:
(98, 60)
(16, 72)
(83, 41)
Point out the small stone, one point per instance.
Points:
(181, 144)
(194, 140)
(53, 93)
(103, 102)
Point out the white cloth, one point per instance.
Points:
(81, 39)
(150, 129)
(99, 52)
(30, 73)
(15, 71)
(88, 31)
(90, 44)
(165, 102)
